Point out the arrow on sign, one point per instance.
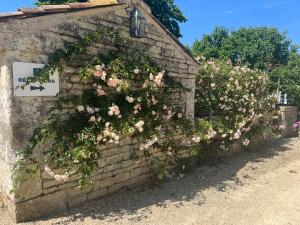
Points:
(33, 88)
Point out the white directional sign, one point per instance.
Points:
(21, 71)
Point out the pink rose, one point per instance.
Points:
(100, 92)
(98, 73)
(158, 79)
(112, 82)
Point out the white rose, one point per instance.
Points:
(80, 108)
(99, 138)
(129, 99)
(196, 139)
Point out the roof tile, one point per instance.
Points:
(54, 8)
(31, 10)
(24, 12)
(11, 14)
(80, 5)
(103, 2)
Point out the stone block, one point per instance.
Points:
(114, 188)
(97, 194)
(30, 189)
(106, 182)
(72, 202)
(288, 118)
(136, 172)
(114, 159)
(41, 206)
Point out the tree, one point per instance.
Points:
(288, 78)
(165, 11)
(259, 48)
(168, 14)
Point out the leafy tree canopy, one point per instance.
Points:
(288, 78)
(261, 48)
(168, 14)
(165, 11)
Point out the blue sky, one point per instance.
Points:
(204, 15)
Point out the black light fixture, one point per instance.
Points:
(138, 24)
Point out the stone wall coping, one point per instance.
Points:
(286, 107)
(46, 9)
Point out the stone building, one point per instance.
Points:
(30, 35)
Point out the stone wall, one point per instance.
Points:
(32, 40)
(6, 154)
(288, 116)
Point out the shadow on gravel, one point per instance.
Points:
(135, 203)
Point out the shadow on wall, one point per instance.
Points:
(135, 203)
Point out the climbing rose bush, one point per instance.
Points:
(229, 99)
(127, 96)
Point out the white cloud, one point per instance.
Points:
(230, 12)
(278, 4)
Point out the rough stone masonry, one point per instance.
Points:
(31, 35)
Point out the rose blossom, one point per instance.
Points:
(114, 110)
(246, 142)
(196, 139)
(99, 138)
(97, 73)
(90, 110)
(49, 171)
(158, 79)
(93, 119)
(113, 82)
(98, 67)
(80, 108)
(103, 76)
(129, 99)
(139, 126)
(151, 76)
(100, 92)
(137, 108)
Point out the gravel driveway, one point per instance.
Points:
(260, 186)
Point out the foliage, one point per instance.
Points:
(229, 99)
(168, 14)
(257, 48)
(165, 11)
(126, 97)
(289, 79)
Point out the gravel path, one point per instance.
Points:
(259, 186)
